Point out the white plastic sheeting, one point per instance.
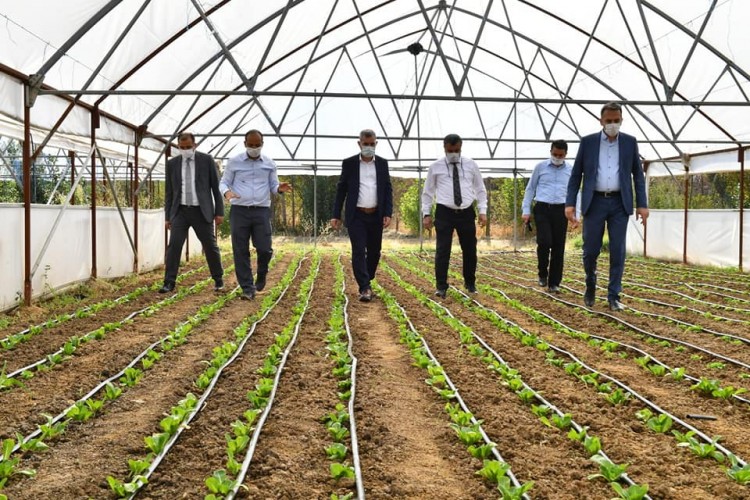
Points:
(68, 257)
(712, 237)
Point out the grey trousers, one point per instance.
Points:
(246, 224)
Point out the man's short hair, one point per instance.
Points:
(368, 132)
(184, 134)
(452, 139)
(611, 106)
(254, 131)
(559, 144)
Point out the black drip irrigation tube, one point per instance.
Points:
(459, 399)
(352, 423)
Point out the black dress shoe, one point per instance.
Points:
(542, 281)
(167, 288)
(218, 286)
(441, 293)
(365, 296)
(616, 305)
(260, 281)
(471, 288)
(248, 294)
(554, 289)
(589, 296)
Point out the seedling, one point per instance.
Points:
(336, 451)
(219, 483)
(634, 492)
(483, 451)
(493, 470)
(510, 492)
(341, 471)
(660, 424)
(608, 469)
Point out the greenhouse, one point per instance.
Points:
(529, 393)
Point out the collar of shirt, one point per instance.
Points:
(362, 160)
(605, 138)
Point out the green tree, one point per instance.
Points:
(409, 207)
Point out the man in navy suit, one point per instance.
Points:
(192, 199)
(610, 166)
(365, 184)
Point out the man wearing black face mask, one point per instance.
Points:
(248, 183)
(548, 187)
(192, 199)
(454, 183)
(610, 166)
(365, 184)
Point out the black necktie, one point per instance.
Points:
(456, 187)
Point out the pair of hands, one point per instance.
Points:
(336, 223)
(427, 221)
(570, 214)
(284, 187)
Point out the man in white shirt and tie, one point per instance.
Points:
(192, 199)
(454, 183)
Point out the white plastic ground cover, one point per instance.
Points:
(68, 257)
(713, 237)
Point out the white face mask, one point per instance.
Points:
(368, 151)
(187, 153)
(611, 129)
(453, 157)
(556, 161)
(253, 152)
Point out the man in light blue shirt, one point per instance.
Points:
(548, 186)
(247, 184)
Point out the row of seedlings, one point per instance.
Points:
(548, 413)
(88, 406)
(647, 361)
(468, 428)
(662, 422)
(181, 415)
(340, 422)
(69, 348)
(11, 341)
(223, 486)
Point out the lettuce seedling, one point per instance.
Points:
(468, 435)
(156, 442)
(540, 410)
(493, 470)
(618, 397)
(138, 466)
(660, 424)
(51, 430)
(607, 469)
(510, 492)
(740, 474)
(727, 392)
(341, 471)
(336, 451)
(337, 431)
(219, 483)
(634, 492)
(574, 435)
(592, 445)
(483, 451)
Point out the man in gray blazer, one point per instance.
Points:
(610, 166)
(192, 199)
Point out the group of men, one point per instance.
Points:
(607, 165)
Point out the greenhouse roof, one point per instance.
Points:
(509, 76)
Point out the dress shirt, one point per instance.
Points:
(252, 180)
(608, 172)
(368, 184)
(548, 184)
(185, 169)
(439, 185)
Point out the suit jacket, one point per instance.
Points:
(587, 163)
(206, 187)
(348, 188)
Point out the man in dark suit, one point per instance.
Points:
(365, 184)
(192, 199)
(610, 166)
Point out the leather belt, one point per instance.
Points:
(367, 210)
(607, 194)
(551, 205)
